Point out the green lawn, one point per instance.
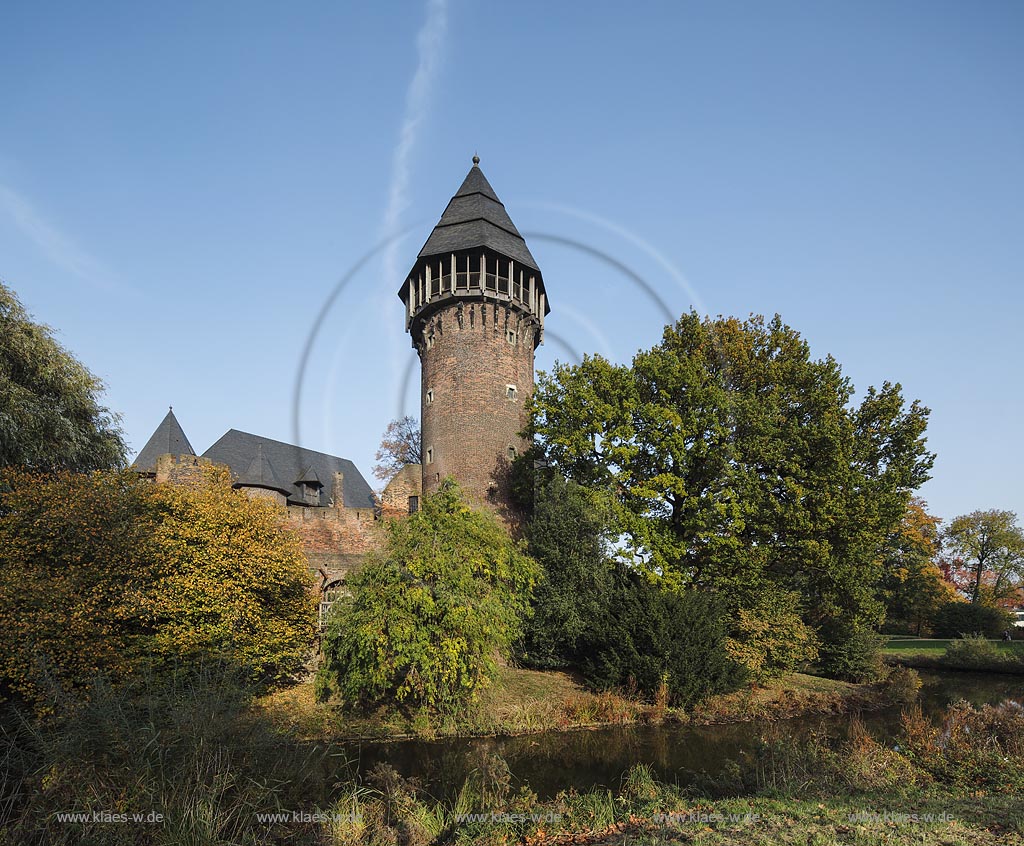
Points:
(935, 647)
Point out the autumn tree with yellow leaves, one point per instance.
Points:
(104, 575)
(913, 586)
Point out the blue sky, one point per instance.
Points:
(182, 186)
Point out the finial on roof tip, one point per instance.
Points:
(476, 160)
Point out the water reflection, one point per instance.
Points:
(553, 761)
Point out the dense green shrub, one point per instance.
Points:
(958, 618)
(852, 653)
(565, 537)
(428, 615)
(651, 637)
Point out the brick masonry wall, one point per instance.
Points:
(394, 501)
(334, 539)
(333, 529)
(181, 469)
(275, 497)
(468, 421)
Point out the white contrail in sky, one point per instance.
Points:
(57, 247)
(430, 51)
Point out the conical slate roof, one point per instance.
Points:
(260, 474)
(169, 438)
(475, 217)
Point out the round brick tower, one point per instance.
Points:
(475, 306)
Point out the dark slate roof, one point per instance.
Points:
(260, 474)
(236, 449)
(475, 217)
(169, 438)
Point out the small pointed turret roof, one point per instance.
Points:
(168, 439)
(308, 476)
(260, 474)
(475, 217)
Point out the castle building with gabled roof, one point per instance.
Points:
(325, 498)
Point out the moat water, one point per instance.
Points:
(556, 760)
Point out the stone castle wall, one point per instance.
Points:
(335, 539)
(181, 469)
(397, 498)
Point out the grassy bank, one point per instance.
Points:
(645, 811)
(522, 701)
(901, 646)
